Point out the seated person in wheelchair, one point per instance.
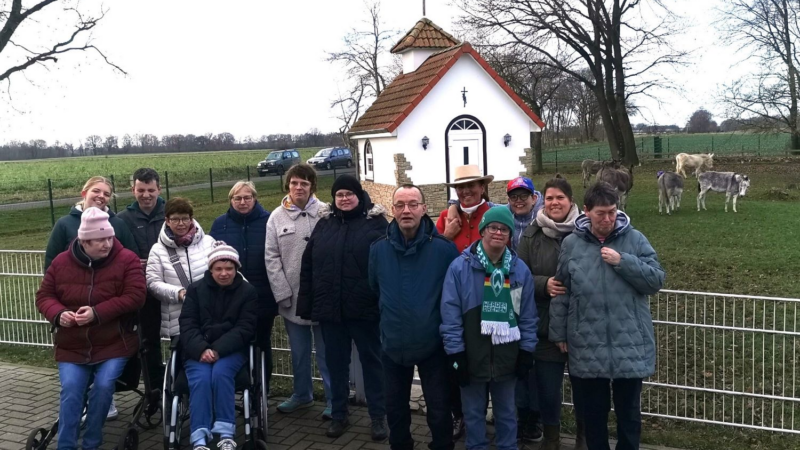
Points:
(217, 324)
(90, 293)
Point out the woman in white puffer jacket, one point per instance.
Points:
(183, 235)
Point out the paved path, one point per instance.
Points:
(30, 400)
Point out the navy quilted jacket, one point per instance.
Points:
(605, 316)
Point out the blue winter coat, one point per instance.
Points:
(462, 298)
(408, 279)
(605, 315)
(248, 234)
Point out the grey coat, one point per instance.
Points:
(605, 315)
(288, 232)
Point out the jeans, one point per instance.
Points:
(339, 337)
(433, 373)
(212, 396)
(593, 395)
(300, 337)
(473, 400)
(75, 381)
(542, 392)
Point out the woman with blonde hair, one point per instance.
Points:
(97, 192)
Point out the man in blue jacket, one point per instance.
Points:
(489, 325)
(407, 270)
(608, 269)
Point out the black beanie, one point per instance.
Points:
(349, 183)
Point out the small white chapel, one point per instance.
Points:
(448, 108)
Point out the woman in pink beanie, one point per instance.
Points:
(90, 293)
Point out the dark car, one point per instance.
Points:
(328, 158)
(278, 162)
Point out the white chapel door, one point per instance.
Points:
(465, 139)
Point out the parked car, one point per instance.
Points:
(328, 158)
(278, 162)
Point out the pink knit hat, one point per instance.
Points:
(222, 251)
(94, 225)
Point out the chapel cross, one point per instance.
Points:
(464, 96)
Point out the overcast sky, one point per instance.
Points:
(252, 68)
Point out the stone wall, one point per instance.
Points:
(380, 194)
(527, 163)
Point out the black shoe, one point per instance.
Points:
(531, 432)
(153, 403)
(458, 427)
(337, 428)
(379, 431)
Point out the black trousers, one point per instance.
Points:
(264, 341)
(150, 321)
(593, 399)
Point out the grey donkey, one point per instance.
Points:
(670, 190)
(731, 183)
(619, 177)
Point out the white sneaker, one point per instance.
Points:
(227, 444)
(112, 411)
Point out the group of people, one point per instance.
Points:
(490, 301)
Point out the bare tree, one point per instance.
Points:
(701, 122)
(92, 142)
(111, 144)
(20, 55)
(367, 74)
(608, 45)
(768, 32)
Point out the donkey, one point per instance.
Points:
(590, 167)
(619, 177)
(731, 183)
(670, 190)
(700, 163)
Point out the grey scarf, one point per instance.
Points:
(557, 230)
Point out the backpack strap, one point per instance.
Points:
(176, 264)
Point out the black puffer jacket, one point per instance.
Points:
(334, 273)
(218, 318)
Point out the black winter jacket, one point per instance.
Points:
(248, 234)
(217, 318)
(334, 282)
(144, 227)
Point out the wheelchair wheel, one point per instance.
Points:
(263, 409)
(129, 440)
(37, 440)
(261, 444)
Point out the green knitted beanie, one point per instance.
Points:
(499, 214)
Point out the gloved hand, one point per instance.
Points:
(458, 363)
(524, 364)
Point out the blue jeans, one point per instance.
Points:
(593, 400)
(433, 373)
(541, 392)
(473, 401)
(339, 337)
(75, 380)
(212, 396)
(300, 339)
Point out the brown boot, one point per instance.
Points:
(580, 435)
(552, 438)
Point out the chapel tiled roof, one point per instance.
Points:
(399, 99)
(425, 34)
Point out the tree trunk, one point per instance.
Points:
(536, 146)
(795, 133)
(608, 124)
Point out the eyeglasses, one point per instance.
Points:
(344, 196)
(503, 231)
(245, 198)
(519, 197)
(400, 207)
(180, 220)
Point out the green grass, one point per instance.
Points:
(27, 180)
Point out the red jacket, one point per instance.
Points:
(114, 287)
(469, 227)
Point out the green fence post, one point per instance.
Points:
(712, 143)
(667, 145)
(166, 182)
(248, 173)
(114, 187)
(556, 160)
(211, 182)
(50, 195)
(759, 144)
(282, 190)
(598, 153)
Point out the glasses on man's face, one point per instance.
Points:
(345, 196)
(400, 207)
(502, 231)
(177, 220)
(519, 197)
(243, 198)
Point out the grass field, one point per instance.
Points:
(27, 180)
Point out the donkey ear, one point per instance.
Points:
(745, 178)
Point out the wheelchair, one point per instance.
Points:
(128, 381)
(250, 384)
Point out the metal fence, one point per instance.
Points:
(721, 358)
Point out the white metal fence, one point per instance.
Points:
(721, 358)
